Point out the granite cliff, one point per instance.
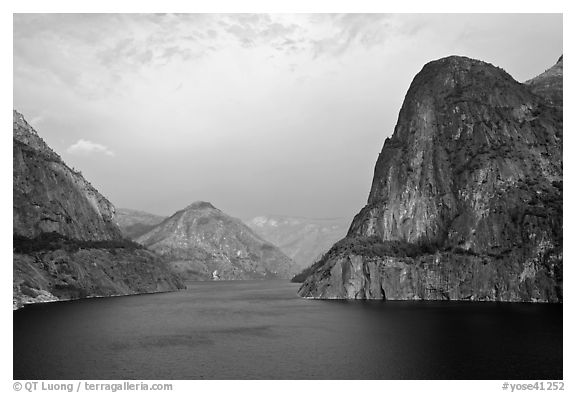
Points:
(65, 242)
(201, 239)
(549, 84)
(304, 240)
(466, 199)
(49, 196)
(73, 271)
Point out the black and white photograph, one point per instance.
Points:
(220, 196)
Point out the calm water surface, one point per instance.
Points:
(263, 330)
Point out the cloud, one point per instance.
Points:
(347, 29)
(86, 147)
(252, 30)
(95, 56)
(36, 121)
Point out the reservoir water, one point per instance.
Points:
(263, 330)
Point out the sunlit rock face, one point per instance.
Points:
(201, 239)
(49, 196)
(66, 244)
(466, 200)
(549, 84)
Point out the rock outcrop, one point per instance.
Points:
(201, 239)
(66, 244)
(466, 200)
(302, 239)
(49, 196)
(549, 84)
(135, 223)
(65, 274)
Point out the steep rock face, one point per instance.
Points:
(71, 274)
(472, 175)
(549, 84)
(135, 223)
(66, 244)
(304, 240)
(48, 196)
(440, 276)
(201, 239)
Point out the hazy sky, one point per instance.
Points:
(258, 114)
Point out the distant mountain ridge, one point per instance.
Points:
(65, 241)
(302, 239)
(135, 223)
(201, 240)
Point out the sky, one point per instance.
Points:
(259, 114)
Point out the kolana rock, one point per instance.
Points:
(66, 244)
(135, 223)
(302, 239)
(466, 200)
(201, 239)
